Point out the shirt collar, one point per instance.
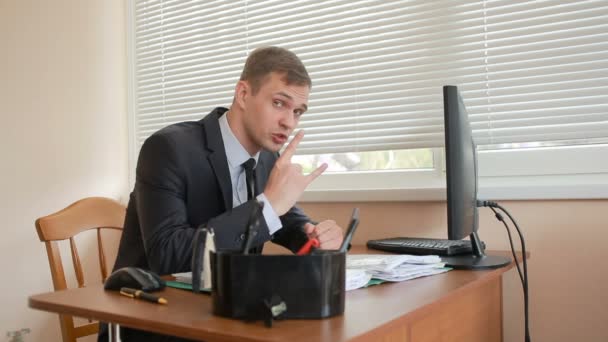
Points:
(235, 152)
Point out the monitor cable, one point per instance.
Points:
(523, 277)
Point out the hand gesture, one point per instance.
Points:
(286, 182)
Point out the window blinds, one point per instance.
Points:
(528, 70)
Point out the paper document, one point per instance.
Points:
(186, 278)
(356, 279)
(390, 267)
(209, 247)
(388, 261)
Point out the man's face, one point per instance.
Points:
(272, 113)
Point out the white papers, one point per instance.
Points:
(401, 267)
(186, 277)
(356, 279)
(209, 247)
(388, 261)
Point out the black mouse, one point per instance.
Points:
(135, 278)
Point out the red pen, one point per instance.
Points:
(308, 246)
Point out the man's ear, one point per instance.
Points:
(242, 91)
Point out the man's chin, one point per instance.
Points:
(272, 147)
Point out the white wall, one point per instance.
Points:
(63, 135)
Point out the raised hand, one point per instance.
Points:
(286, 182)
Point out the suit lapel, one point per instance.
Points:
(217, 156)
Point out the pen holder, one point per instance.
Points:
(309, 286)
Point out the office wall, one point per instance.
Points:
(64, 136)
(63, 112)
(567, 272)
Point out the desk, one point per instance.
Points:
(453, 306)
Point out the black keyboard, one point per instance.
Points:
(422, 246)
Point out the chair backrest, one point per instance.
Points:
(88, 213)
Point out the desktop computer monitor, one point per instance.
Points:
(461, 176)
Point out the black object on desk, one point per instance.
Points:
(350, 231)
(288, 286)
(253, 225)
(422, 246)
(254, 286)
(134, 277)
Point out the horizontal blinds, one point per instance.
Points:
(188, 57)
(528, 71)
(377, 69)
(547, 72)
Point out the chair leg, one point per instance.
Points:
(113, 332)
(67, 328)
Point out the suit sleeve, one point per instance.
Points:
(162, 210)
(292, 235)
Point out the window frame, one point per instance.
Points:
(549, 173)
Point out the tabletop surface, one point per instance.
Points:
(367, 311)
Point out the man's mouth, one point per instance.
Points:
(279, 138)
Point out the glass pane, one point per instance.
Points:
(369, 161)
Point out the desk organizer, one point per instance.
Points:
(249, 286)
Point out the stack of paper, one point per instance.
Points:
(186, 278)
(356, 278)
(402, 267)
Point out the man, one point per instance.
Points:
(191, 174)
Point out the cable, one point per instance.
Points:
(523, 250)
(524, 279)
(501, 219)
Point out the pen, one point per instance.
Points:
(139, 294)
(308, 246)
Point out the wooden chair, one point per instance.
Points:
(89, 213)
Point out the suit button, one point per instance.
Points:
(242, 237)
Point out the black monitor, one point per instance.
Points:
(461, 174)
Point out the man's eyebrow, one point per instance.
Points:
(305, 107)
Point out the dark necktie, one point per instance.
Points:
(249, 166)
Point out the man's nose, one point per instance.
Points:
(288, 121)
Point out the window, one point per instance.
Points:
(534, 76)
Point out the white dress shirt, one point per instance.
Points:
(237, 155)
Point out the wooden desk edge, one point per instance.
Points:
(161, 328)
(122, 320)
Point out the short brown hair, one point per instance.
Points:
(262, 61)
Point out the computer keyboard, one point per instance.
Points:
(422, 246)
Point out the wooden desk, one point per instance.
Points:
(453, 306)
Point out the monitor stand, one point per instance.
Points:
(477, 259)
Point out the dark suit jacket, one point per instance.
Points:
(183, 182)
